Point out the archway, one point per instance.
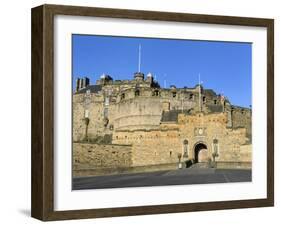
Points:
(200, 153)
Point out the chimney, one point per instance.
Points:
(82, 83)
(87, 81)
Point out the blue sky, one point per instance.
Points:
(226, 67)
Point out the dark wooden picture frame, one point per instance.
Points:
(42, 203)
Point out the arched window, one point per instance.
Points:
(185, 148)
(122, 96)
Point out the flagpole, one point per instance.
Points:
(199, 90)
(139, 58)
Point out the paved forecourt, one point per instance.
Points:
(175, 177)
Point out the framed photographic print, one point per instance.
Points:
(141, 112)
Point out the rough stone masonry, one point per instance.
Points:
(135, 126)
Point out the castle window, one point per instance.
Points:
(122, 96)
(174, 94)
(106, 102)
(137, 93)
(156, 93)
(191, 96)
(171, 153)
(215, 101)
(204, 99)
(86, 113)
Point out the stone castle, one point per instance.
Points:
(136, 125)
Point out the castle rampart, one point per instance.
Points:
(161, 126)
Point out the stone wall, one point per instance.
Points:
(97, 156)
(246, 152)
(242, 117)
(214, 127)
(140, 138)
(165, 144)
(138, 113)
(94, 110)
(151, 147)
(108, 111)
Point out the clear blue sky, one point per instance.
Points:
(226, 67)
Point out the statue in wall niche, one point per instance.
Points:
(215, 152)
(185, 152)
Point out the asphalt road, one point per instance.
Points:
(175, 177)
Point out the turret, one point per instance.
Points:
(149, 78)
(104, 79)
(139, 76)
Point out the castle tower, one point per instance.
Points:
(104, 79)
(139, 76)
(149, 78)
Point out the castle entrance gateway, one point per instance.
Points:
(200, 153)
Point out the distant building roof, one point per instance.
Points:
(92, 88)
